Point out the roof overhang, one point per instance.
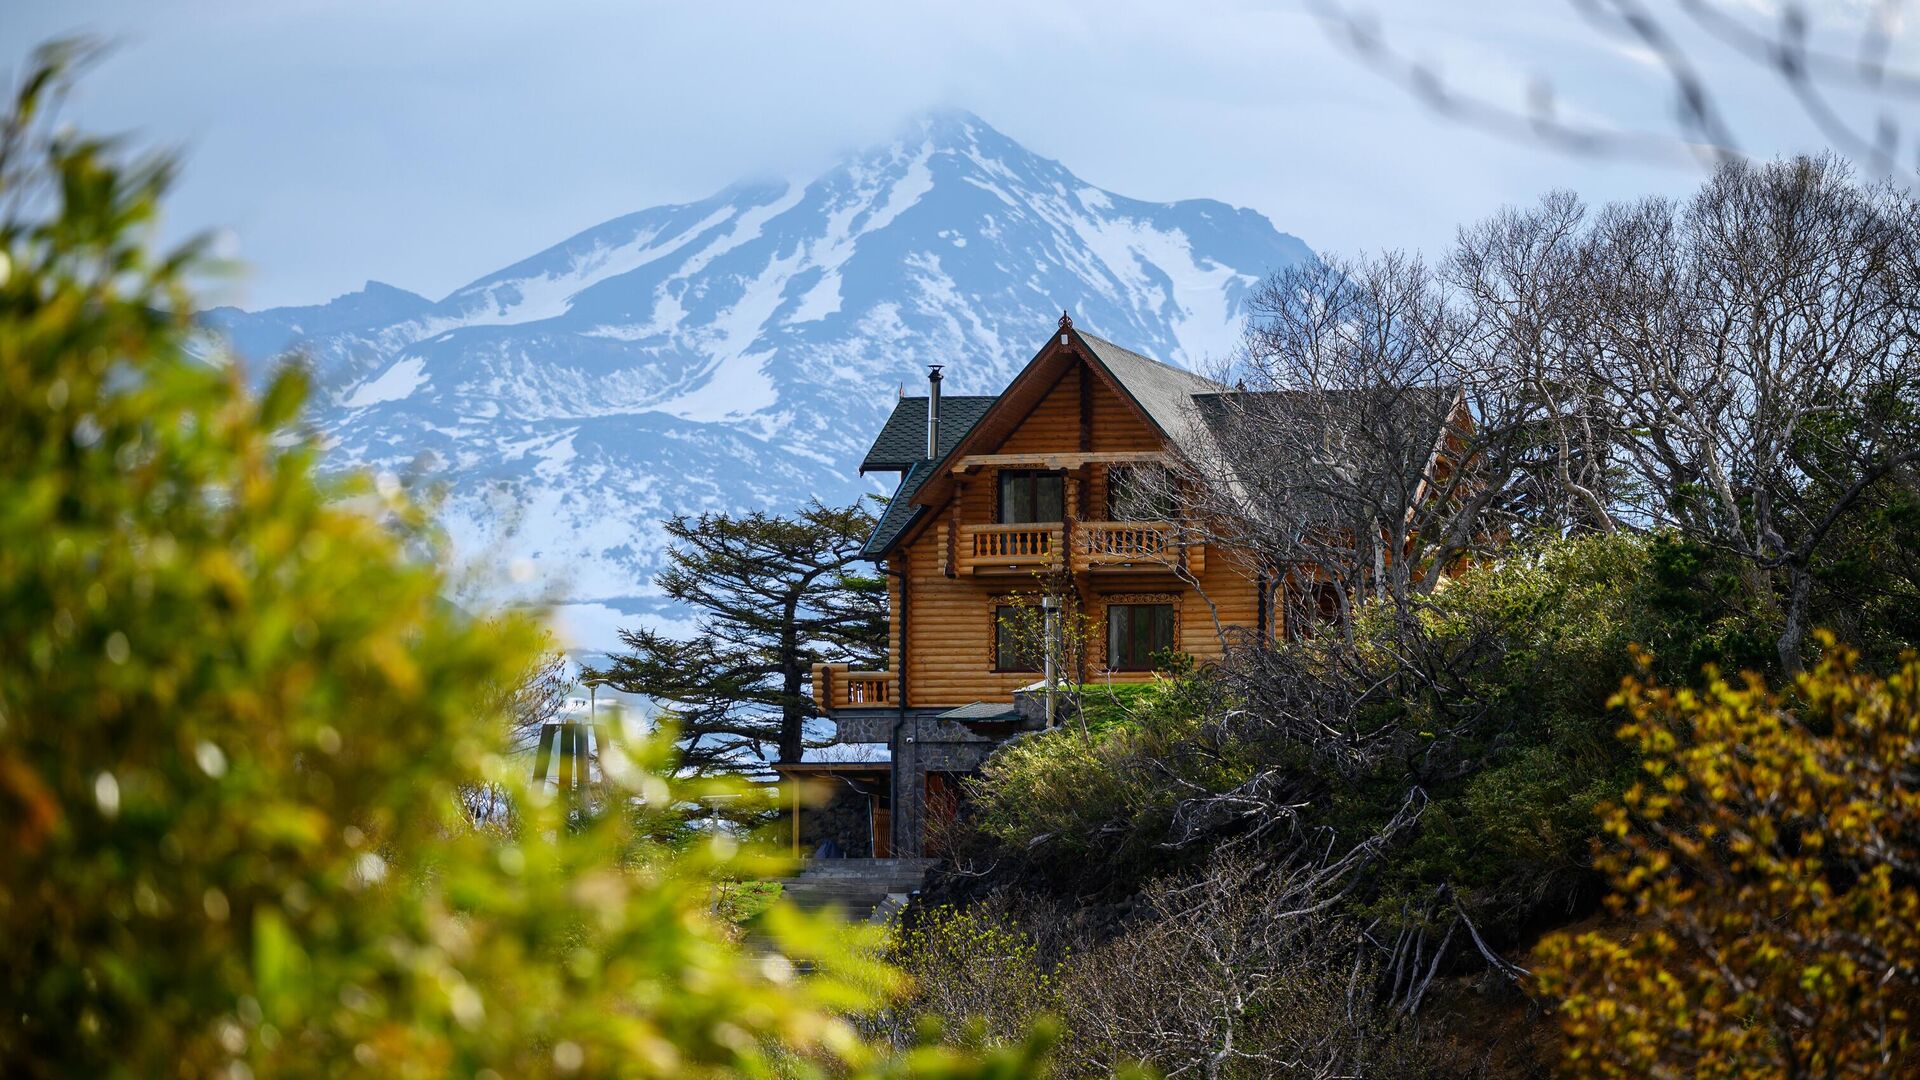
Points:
(1059, 461)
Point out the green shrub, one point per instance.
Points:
(1503, 727)
(1103, 794)
(1538, 642)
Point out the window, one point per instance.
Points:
(1140, 494)
(1137, 635)
(1017, 633)
(1031, 496)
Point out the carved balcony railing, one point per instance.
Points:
(1002, 549)
(836, 686)
(1144, 546)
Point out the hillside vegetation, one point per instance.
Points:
(1492, 808)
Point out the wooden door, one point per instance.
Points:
(943, 808)
(882, 818)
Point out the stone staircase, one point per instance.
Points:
(861, 889)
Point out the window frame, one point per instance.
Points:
(999, 665)
(1000, 508)
(1118, 476)
(1146, 663)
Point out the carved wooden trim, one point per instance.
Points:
(1086, 407)
(953, 539)
(1112, 599)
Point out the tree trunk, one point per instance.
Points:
(793, 716)
(1793, 631)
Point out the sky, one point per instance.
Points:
(426, 143)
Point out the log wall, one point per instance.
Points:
(951, 631)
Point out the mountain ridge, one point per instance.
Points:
(738, 351)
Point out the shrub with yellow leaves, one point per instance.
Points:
(1766, 868)
(236, 717)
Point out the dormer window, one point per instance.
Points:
(1032, 496)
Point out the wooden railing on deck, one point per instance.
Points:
(1002, 548)
(836, 686)
(1135, 545)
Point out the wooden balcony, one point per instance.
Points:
(1137, 546)
(836, 686)
(1009, 549)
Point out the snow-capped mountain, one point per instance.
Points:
(740, 352)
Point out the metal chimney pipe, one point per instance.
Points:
(933, 412)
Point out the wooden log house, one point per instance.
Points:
(1003, 502)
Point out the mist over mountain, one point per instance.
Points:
(740, 351)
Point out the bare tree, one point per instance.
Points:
(1741, 367)
(1758, 345)
(1242, 969)
(1851, 95)
(1393, 421)
(538, 698)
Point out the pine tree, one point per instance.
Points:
(775, 596)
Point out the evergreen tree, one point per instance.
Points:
(776, 595)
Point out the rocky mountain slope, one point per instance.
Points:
(740, 351)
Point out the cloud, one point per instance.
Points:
(430, 142)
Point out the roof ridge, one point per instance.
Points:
(1189, 373)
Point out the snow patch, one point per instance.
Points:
(551, 294)
(555, 456)
(820, 301)
(397, 383)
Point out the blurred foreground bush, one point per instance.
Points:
(1768, 867)
(236, 718)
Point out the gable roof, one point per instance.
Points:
(1163, 395)
(902, 442)
(1164, 392)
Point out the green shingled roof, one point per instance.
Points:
(903, 441)
(902, 446)
(900, 512)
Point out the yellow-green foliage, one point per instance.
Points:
(976, 974)
(235, 714)
(1765, 859)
